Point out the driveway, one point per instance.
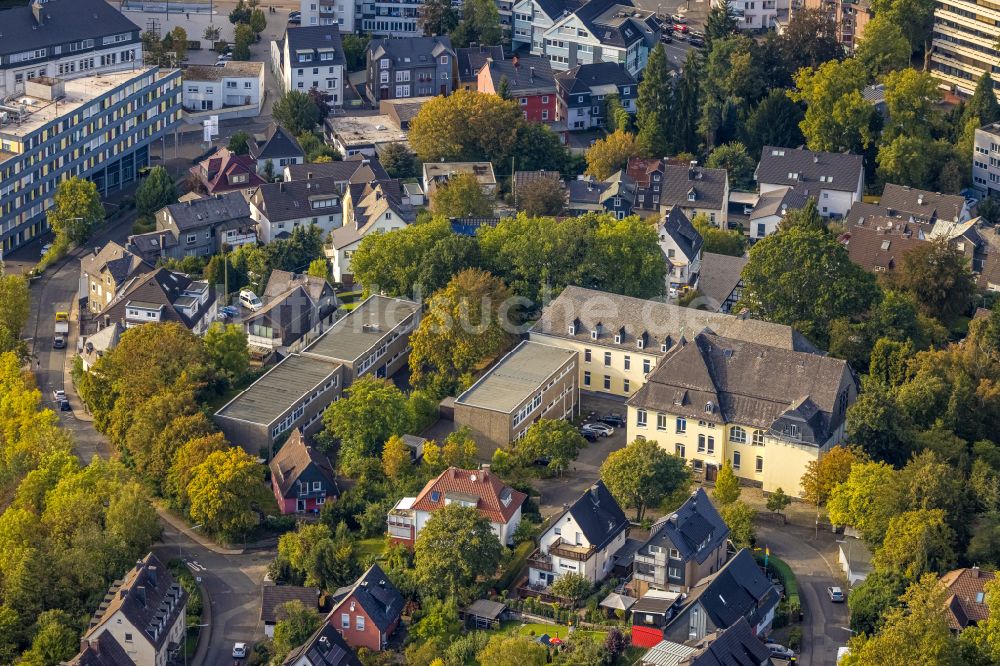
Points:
(813, 559)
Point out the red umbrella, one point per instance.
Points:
(555, 641)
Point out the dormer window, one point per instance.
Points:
(663, 348)
(709, 407)
(594, 334)
(640, 342)
(692, 195)
(572, 329)
(618, 338)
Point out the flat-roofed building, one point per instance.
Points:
(532, 382)
(373, 339)
(292, 394)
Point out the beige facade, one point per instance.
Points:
(606, 368)
(964, 43)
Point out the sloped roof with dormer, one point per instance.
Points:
(598, 515)
(676, 225)
(495, 499)
(294, 458)
(695, 529)
(810, 170)
(278, 143)
(380, 599)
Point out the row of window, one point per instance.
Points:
(626, 384)
(647, 364)
(737, 434)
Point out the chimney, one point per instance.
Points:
(151, 575)
(815, 159)
(309, 175)
(594, 495)
(531, 74)
(920, 200)
(281, 186)
(516, 62)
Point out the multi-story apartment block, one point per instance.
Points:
(755, 14)
(986, 160)
(767, 411)
(849, 18)
(278, 208)
(582, 93)
(65, 39)
(570, 34)
(96, 127)
(529, 80)
(197, 228)
(106, 271)
(410, 67)
(619, 340)
(311, 58)
(963, 43)
(235, 90)
(330, 12)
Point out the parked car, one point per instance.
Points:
(836, 594)
(681, 28)
(780, 651)
(224, 58)
(250, 301)
(601, 429)
(616, 420)
(45, 249)
(678, 18)
(64, 406)
(230, 310)
(696, 41)
(588, 434)
(239, 651)
(666, 38)
(58, 395)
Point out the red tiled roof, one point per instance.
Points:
(215, 171)
(639, 168)
(964, 585)
(479, 483)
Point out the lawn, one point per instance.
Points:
(373, 546)
(552, 630)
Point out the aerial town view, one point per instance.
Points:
(499, 332)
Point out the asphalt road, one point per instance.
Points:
(814, 563)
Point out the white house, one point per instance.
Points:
(771, 206)
(755, 14)
(328, 12)
(480, 489)
(835, 180)
(234, 90)
(278, 208)
(312, 57)
(681, 245)
(584, 539)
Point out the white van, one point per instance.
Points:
(249, 300)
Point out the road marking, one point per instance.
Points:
(194, 566)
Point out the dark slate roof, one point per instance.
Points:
(380, 599)
(720, 274)
(289, 200)
(722, 380)
(776, 202)
(921, 203)
(679, 228)
(736, 591)
(295, 457)
(315, 38)
(471, 60)
(555, 8)
(414, 48)
(209, 211)
(326, 647)
(63, 21)
(599, 516)
(708, 186)
(589, 192)
(343, 171)
(618, 23)
(274, 597)
(119, 262)
(878, 243)
(812, 170)
(102, 651)
(696, 522)
(526, 75)
(734, 646)
(278, 143)
(162, 287)
(582, 78)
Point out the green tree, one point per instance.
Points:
(156, 191)
(240, 13)
(687, 104)
(354, 48)
(296, 625)
(653, 118)
(616, 117)
(806, 218)
(739, 517)
(727, 486)
(227, 491)
(513, 650)
(915, 17)
(733, 80)
(239, 143)
(541, 197)
(243, 37)
(733, 157)
(938, 277)
(258, 22)
(179, 43)
(719, 241)
(318, 556)
(837, 117)
(983, 107)
(910, 101)
(440, 621)
(778, 501)
(226, 345)
(397, 160)
(76, 211)
(455, 548)
(623, 258)
(186, 458)
(318, 268)
(611, 154)
(461, 196)
(465, 326)
(805, 279)
(479, 23)
(884, 47)
(557, 440)
(55, 640)
(867, 500)
(372, 411)
(810, 40)
(643, 474)
(871, 601)
(296, 112)
(774, 122)
(15, 306)
(823, 475)
(572, 586)
(916, 542)
(720, 23)
(980, 643)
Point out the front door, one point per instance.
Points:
(300, 505)
(711, 472)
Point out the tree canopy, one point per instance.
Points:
(643, 474)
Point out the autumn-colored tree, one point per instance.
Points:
(823, 475)
(14, 309)
(466, 126)
(917, 542)
(395, 457)
(76, 210)
(461, 196)
(227, 491)
(458, 450)
(186, 459)
(727, 485)
(226, 345)
(541, 196)
(611, 154)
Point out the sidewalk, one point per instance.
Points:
(178, 524)
(80, 412)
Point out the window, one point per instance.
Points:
(607, 382)
(586, 356)
(661, 421)
(682, 425)
(736, 459)
(607, 358)
(758, 438)
(646, 366)
(760, 465)
(345, 621)
(524, 101)
(128, 637)
(737, 435)
(444, 61)
(586, 378)
(545, 115)
(626, 386)
(545, 99)
(791, 430)
(679, 450)
(674, 572)
(192, 238)
(711, 446)
(359, 622)
(640, 418)
(701, 443)
(628, 362)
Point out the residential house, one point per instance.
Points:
(312, 58)
(225, 171)
(925, 205)
(368, 612)
(720, 281)
(197, 227)
(470, 60)
(738, 591)
(965, 605)
(877, 243)
(235, 90)
(480, 489)
(753, 15)
(104, 271)
(437, 174)
(683, 547)
(161, 296)
(527, 79)
(329, 12)
(326, 647)
(366, 135)
(403, 110)
(355, 168)
(144, 612)
(986, 159)
(301, 477)
(614, 195)
(275, 150)
(619, 339)
(532, 382)
(410, 67)
(771, 207)
(583, 539)
(855, 559)
(849, 18)
(97, 344)
(582, 93)
(273, 597)
(768, 411)
(734, 645)
(526, 178)
(101, 651)
(297, 309)
(835, 180)
(681, 246)
(664, 185)
(278, 208)
(372, 207)
(650, 614)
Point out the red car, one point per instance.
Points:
(681, 28)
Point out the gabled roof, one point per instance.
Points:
(381, 601)
(695, 529)
(618, 23)
(64, 21)
(315, 40)
(342, 171)
(95, 346)
(281, 282)
(326, 647)
(292, 200)
(777, 202)
(216, 171)
(720, 274)
(102, 651)
(878, 243)
(676, 225)
(496, 500)
(294, 458)
(598, 515)
(209, 211)
(966, 603)
(588, 192)
(582, 78)
(921, 203)
(526, 75)
(708, 186)
(733, 646)
(739, 590)
(273, 597)
(471, 60)
(371, 201)
(810, 170)
(278, 143)
(410, 51)
(115, 260)
(162, 288)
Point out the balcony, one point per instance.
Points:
(311, 494)
(570, 551)
(540, 561)
(400, 527)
